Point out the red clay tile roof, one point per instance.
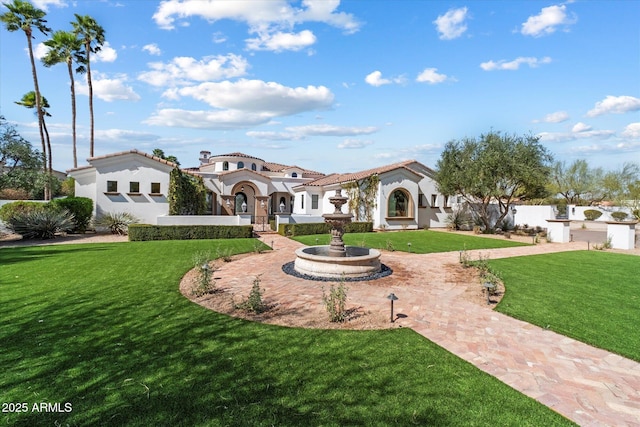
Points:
(278, 167)
(122, 153)
(238, 154)
(338, 178)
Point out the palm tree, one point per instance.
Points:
(29, 100)
(24, 16)
(64, 46)
(92, 37)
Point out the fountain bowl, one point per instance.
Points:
(359, 262)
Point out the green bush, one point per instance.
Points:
(143, 232)
(10, 210)
(592, 214)
(44, 224)
(636, 213)
(80, 207)
(322, 228)
(117, 223)
(619, 216)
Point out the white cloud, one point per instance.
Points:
(44, 4)
(354, 143)
(557, 117)
(152, 49)
(259, 96)
(452, 24)
(616, 105)
(330, 130)
(431, 76)
(375, 79)
(105, 54)
(183, 70)
(241, 104)
(515, 64)
(578, 132)
(128, 135)
(272, 20)
(632, 130)
(225, 119)
(109, 89)
(547, 21)
(280, 41)
(580, 127)
(39, 51)
(274, 136)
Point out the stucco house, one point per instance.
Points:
(246, 189)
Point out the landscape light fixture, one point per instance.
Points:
(392, 297)
(487, 286)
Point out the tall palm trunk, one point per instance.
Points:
(73, 111)
(90, 84)
(47, 170)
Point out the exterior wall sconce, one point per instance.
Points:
(392, 297)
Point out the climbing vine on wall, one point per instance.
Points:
(363, 195)
(187, 194)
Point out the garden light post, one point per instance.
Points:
(392, 297)
(487, 286)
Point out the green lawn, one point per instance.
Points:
(591, 296)
(422, 241)
(104, 328)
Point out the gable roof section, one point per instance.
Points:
(123, 153)
(279, 167)
(339, 178)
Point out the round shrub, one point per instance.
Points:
(80, 207)
(10, 210)
(619, 216)
(592, 214)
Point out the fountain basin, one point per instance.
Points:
(358, 262)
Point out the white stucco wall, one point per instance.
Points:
(125, 169)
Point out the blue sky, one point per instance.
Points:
(341, 86)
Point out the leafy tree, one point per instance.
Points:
(160, 154)
(92, 37)
(22, 15)
(574, 182)
(494, 169)
(20, 164)
(187, 194)
(64, 46)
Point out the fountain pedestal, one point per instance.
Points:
(337, 260)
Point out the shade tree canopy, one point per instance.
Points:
(494, 169)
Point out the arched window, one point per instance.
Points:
(240, 165)
(399, 204)
(253, 166)
(294, 175)
(225, 166)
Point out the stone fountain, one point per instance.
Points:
(337, 260)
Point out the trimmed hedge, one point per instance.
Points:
(143, 232)
(13, 209)
(322, 228)
(80, 207)
(592, 214)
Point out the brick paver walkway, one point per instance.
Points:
(590, 386)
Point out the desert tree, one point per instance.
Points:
(21, 164)
(494, 169)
